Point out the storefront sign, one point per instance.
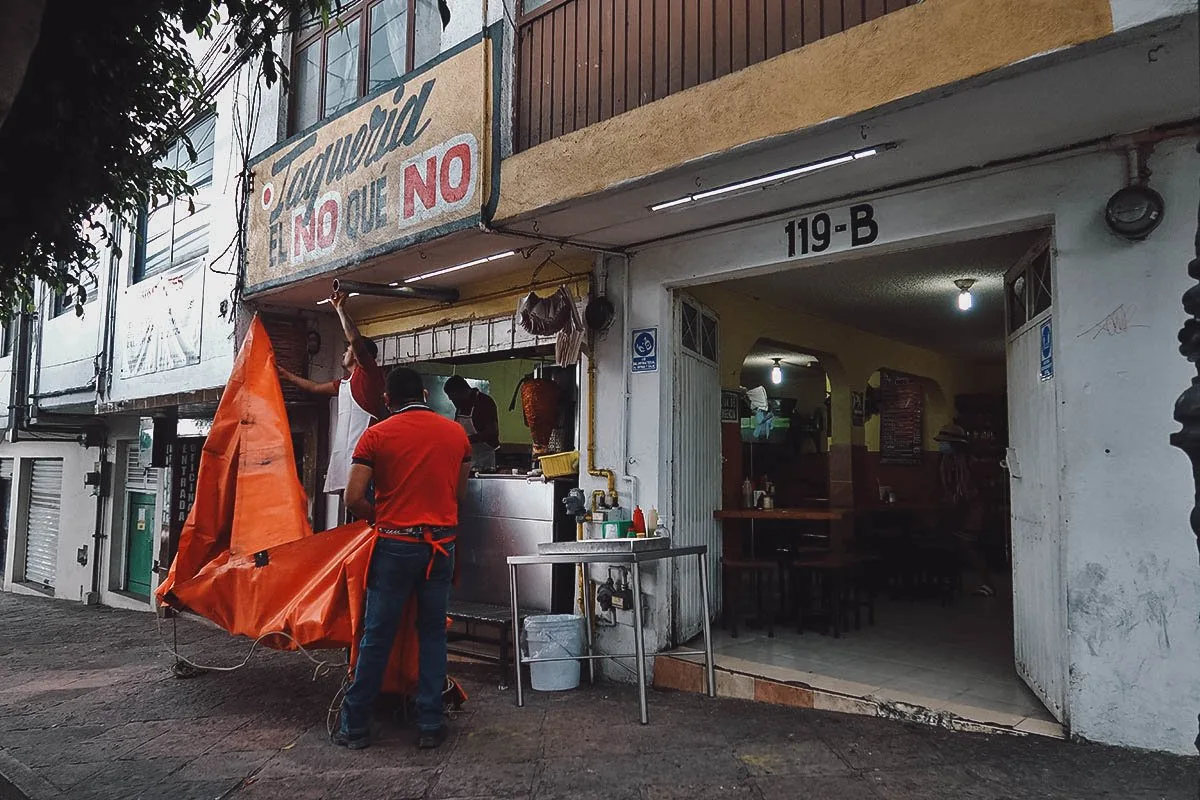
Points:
(162, 322)
(403, 166)
(730, 406)
(645, 350)
(1047, 370)
(831, 231)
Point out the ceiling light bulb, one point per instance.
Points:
(965, 300)
(776, 373)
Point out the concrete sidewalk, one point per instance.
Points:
(89, 709)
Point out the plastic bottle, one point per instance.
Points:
(639, 522)
(652, 522)
(747, 494)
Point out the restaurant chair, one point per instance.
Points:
(742, 575)
(843, 586)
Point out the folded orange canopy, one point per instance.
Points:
(248, 559)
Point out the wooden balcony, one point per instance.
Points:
(584, 61)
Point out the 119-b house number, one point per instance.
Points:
(819, 232)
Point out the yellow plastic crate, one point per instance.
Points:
(560, 465)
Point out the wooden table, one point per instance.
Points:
(810, 514)
(814, 514)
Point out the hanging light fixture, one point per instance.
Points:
(776, 372)
(965, 300)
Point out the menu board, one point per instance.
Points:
(901, 418)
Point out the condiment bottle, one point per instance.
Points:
(652, 522)
(639, 522)
(747, 494)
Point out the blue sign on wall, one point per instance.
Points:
(1047, 351)
(645, 349)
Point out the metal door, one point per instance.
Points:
(1039, 595)
(139, 535)
(42, 522)
(696, 463)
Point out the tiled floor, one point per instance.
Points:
(961, 655)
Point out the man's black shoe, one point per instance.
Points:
(342, 739)
(430, 740)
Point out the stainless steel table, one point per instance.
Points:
(635, 559)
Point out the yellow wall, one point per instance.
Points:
(935, 43)
(502, 377)
(850, 357)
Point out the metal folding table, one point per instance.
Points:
(635, 558)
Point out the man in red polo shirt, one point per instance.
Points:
(418, 461)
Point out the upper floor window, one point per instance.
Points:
(8, 333)
(369, 45)
(174, 233)
(62, 302)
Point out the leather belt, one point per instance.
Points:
(421, 534)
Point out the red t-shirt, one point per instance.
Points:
(366, 387)
(417, 455)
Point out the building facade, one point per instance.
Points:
(787, 184)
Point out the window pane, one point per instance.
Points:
(690, 332)
(389, 43)
(708, 338)
(306, 87)
(341, 71)
(1016, 303)
(157, 234)
(203, 138)
(427, 38)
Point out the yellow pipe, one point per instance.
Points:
(591, 424)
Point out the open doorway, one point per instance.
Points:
(867, 490)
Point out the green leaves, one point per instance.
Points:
(109, 90)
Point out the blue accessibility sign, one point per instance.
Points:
(645, 350)
(1047, 352)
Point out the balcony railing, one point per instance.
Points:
(583, 61)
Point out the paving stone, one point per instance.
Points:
(89, 706)
(465, 778)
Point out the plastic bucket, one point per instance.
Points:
(554, 636)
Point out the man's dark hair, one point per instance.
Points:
(404, 386)
(456, 384)
(372, 348)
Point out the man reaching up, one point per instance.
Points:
(360, 398)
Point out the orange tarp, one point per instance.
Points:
(248, 559)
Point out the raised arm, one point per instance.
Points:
(350, 329)
(329, 388)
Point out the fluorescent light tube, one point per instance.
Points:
(773, 177)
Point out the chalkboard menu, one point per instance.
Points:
(901, 418)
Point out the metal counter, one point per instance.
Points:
(508, 515)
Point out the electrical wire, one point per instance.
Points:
(322, 669)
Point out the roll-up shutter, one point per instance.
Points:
(45, 503)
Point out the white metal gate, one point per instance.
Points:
(696, 464)
(1039, 595)
(41, 529)
(139, 478)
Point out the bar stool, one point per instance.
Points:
(842, 588)
(755, 575)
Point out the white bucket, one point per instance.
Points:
(554, 636)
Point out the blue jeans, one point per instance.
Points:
(397, 572)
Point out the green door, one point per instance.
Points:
(139, 532)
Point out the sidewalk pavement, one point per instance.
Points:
(89, 709)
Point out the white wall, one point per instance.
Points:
(73, 580)
(1131, 568)
(68, 345)
(1131, 13)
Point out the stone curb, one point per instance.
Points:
(19, 782)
